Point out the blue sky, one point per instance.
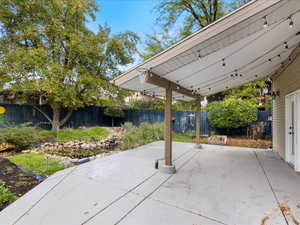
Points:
(126, 15)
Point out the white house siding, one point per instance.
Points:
(287, 82)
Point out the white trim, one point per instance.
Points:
(288, 156)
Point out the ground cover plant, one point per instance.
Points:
(139, 135)
(37, 163)
(70, 134)
(14, 182)
(6, 196)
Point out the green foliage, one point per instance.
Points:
(156, 43)
(6, 196)
(145, 133)
(68, 134)
(231, 113)
(248, 91)
(195, 15)
(182, 105)
(269, 104)
(48, 51)
(37, 163)
(235, 4)
(21, 136)
(1, 120)
(150, 104)
(114, 112)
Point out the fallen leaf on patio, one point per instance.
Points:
(264, 220)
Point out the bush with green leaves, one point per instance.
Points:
(231, 113)
(145, 133)
(21, 136)
(6, 196)
(1, 120)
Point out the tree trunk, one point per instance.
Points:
(56, 118)
(112, 122)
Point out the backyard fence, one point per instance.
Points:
(183, 121)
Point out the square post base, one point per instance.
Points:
(167, 169)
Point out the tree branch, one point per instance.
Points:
(67, 117)
(43, 113)
(194, 14)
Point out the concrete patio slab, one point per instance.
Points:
(214, 185)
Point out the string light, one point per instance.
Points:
(270, 60)
(223, 62)
(265, 22)
(199, 54)
(291, 22)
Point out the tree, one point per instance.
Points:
(147, 103)
(156, 43)
(114, 112)
(235, 4)
(195, 14)
(46, 50)
(231, 113)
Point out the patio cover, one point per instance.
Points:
(250, 43)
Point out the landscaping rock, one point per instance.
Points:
(82, 149)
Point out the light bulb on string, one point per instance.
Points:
(223, 62)
(291, 24)
(265, 22)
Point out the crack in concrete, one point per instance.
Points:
(272, 190)
(129, 191)
(152, 192)
(43, 196)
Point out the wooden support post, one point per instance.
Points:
(168, 127)
(197, 122)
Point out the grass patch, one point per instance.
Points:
(36, 163)
(187, 137)
(68, 134)
(6, 196)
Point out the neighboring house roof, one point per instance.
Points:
(246, 45)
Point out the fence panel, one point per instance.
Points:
(183, 121)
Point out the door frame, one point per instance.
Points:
(288, 153)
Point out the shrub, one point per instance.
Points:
(21, 136)
(231, 113)
(145, 133)
(6, 196)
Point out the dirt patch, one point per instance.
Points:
(250, 143)
(243, 142)
(15, 179)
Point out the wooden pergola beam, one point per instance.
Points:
(156, 80)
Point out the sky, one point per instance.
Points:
(126, 15)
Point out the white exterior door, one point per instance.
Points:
(292, 129)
